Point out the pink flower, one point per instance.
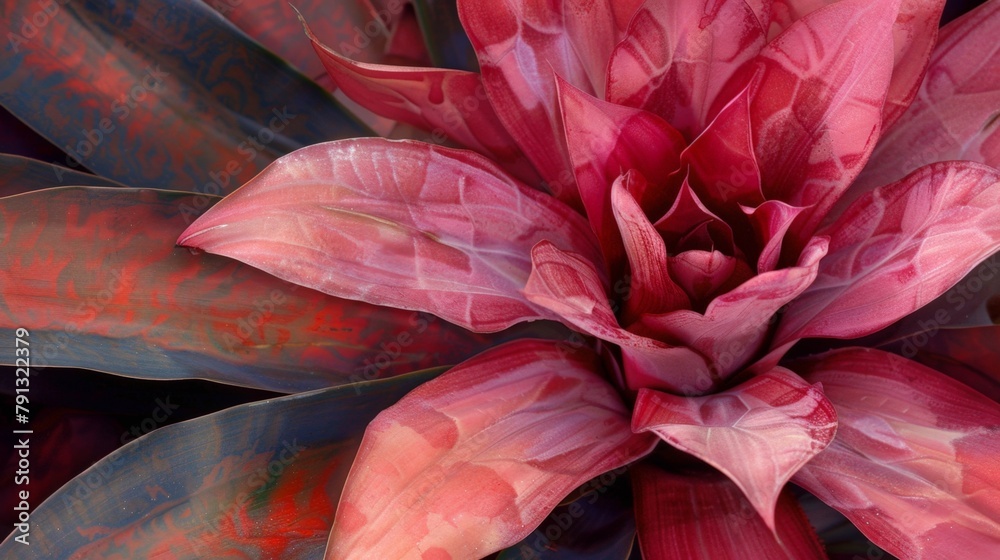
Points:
(696, 187)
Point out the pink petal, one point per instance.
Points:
(758, 433)
(570, 288)
(522, 46)
(604, 140)
(677, 56)
(954, 115)
(471, 462)
(652, 289)
(913, 33)
(685, 215)
(449, 103)
(817, 103)
(724, 167)
(966, 354)
(736, 325)
(899, 247)
(402, 224)
(705, 516)
(770, 222)
(913, 465)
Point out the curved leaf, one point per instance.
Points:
(913, 465)
(402, 224)
(226, 105)
(966, 354)
(470, 463)
(758, 433)
(20, 174)
(704, 515)
(897, 248)
(94, 275)
(260, 480)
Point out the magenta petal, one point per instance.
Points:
(471, 462)
(758, 433)
(914, 463)
(402, 224)
(954, 115)
(522, 46)
(817, 105)
(677, 56)
(652, 289)
(770, 222)
(450, 103)
(604, 140)
(570, 288)
(705, 516)
(897, 248)
(735, 325)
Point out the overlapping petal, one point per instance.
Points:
(470, 463)
(758, 433)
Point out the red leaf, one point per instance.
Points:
(677, 56)
(706, 516)
(758, 433)
(522, 46)
(897, 248)
(471, 462)
(913, 465)
(604, 141)
(451, 104)
(402, 224)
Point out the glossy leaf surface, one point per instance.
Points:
(19, 175)
(897, 248)
(403, 224)
(914, 462)
(258, 480)
(94, 275)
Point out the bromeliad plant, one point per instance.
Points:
(702, 192)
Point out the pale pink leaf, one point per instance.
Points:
(705, 516)
(897, 248)
(913, 465)
(955, 114)
(395, 223)
(570, 288)
(677, 56)
(758, 433)
(522, 46)
(817, 100)
(472, 461)
(450, 104)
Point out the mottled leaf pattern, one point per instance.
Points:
(94, 275)
(20, 175)
(227, 106)
(258, 480)
(470, 463)
(913, 465)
